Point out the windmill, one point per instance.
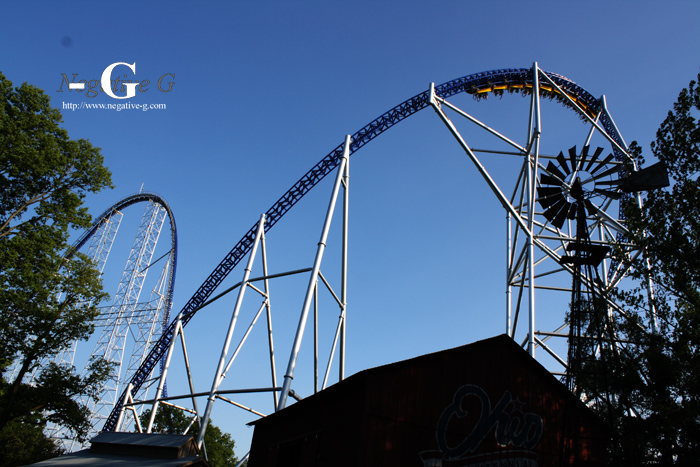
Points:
(575, 189)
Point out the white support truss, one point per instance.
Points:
(259, 288)
(127, 311)
(535, 246)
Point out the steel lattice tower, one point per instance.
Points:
(127, 315)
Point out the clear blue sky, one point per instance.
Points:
(263, 90)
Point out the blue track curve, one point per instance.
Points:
(478, 84)
(128, 201)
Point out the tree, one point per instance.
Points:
(48, 294)
(219, 445)
(25, 443)
(656, 381)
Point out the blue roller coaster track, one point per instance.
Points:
(126, 202)
(512, 80)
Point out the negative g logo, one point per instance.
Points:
(124, 85)
(513, 427)
(107, 76)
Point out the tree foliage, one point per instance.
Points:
(656, 383)
(219, 445)
(48, 294)
(23, 443)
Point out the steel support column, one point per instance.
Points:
(532, 156)
(234, 318)
(289, 375)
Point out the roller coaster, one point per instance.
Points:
(541, 207)
(129, 325)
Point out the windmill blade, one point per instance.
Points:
(573, 158)
(554, 170)
(549, 191)
(572, 211)
(602, 164)
(558, 212)
(552, 212)
(562, 163)
(584, 156)
(549, 196)
(561, 216)
(597, 154)
(549, 180)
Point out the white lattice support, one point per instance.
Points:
(100, 247)
(102, 241)
(147, 328)
(111, 344)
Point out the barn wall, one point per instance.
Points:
(487, 403)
